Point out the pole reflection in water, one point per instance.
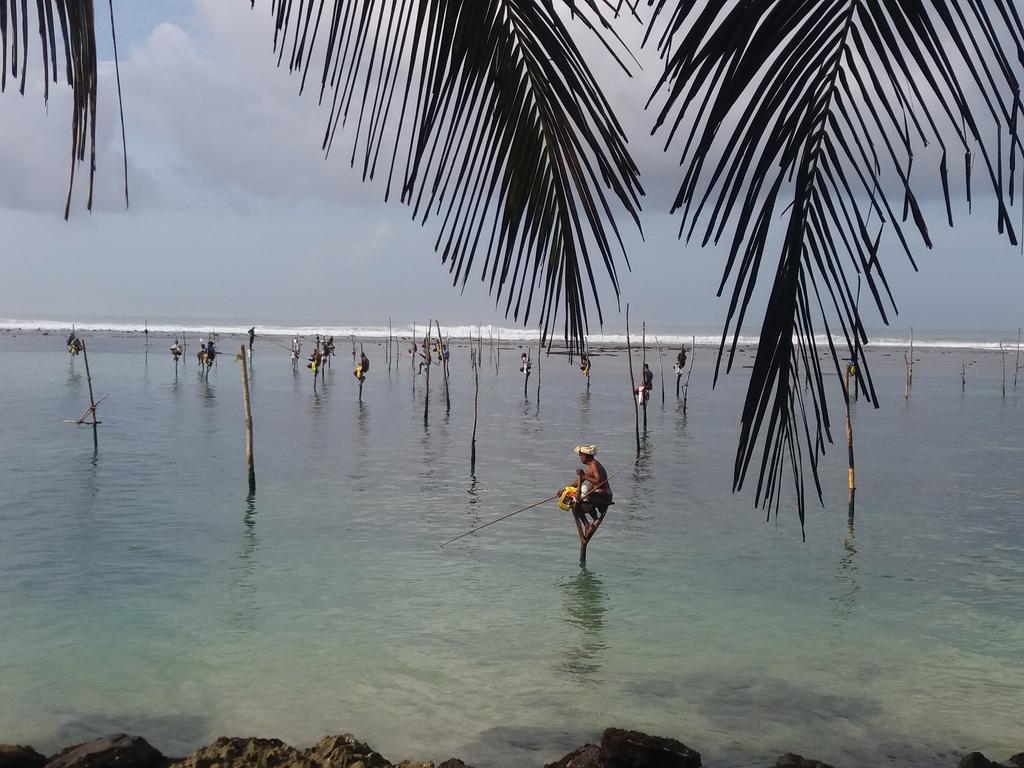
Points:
(243, 572)
(586, 601)
(844, 603)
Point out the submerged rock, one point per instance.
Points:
(790, 760)
(345, 751)
(17, 756)
(1017, 761)
(454, 763)
(116, 751)
(247, 753)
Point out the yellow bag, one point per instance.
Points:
(568, 497)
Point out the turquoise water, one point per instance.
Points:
(142, 590)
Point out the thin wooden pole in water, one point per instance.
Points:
(849, 437)
(92, 400)
(643, 370)
(444, 368)
(661, 365)
(1002, 358)
(476, 397)
(426, 395)
(540, 352)
(910, 375)
(248, 421)
(963, 377)
(497, 355)
(632, 385)
(693, 358)
(1016, 365)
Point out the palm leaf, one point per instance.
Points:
(799, 120)
(75, 20)
(485, 115)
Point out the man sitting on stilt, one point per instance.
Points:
(594, 494)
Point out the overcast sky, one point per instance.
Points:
(235, 214)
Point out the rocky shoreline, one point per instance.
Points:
(617, 749)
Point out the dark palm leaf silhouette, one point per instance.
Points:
(799, 120)
(68, 26)
(484, 114)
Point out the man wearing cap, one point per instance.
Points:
(595, 493)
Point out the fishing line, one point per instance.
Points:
(535, 504)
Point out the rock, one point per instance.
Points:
(413, 764)
(975, 760)
(345, 751)
(17, 756)
(246, 753)
(633, 749)
(1017, 761)
(789, 760)
(588, 756)
(454, 763)
(116, 751)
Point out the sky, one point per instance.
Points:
(236, 214)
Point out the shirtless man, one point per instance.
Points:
(595, 492)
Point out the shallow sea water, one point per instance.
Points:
(142, 590)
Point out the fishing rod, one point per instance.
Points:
(535, 504)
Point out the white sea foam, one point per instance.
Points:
(982, 342)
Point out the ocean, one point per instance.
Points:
(143, 590)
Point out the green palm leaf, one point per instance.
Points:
(485, 115)
(799, 119)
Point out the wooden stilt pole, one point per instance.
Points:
(661, 366)
(248, 420)
(910, 375)
(540, 352)
(693, 359)
(632, 392)
(963, 377)
(906, 382)
(444, 368)
(497, 355)
(476, 398)
(426, 396)
(92, 400)
(1002, 358)
(849, 438)
(643, 385)
(1016, 365)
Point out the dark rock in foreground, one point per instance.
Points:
(17, 756)
(344, 752)
(631, 749)
(618, 749)
(247, 753)
(117, 751)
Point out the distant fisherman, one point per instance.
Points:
(680, 366)
(643, 392)
(585, 365)
(74, 344)
(175, 350)
(525, 365)
(296, 350)
(363, 368)
(252, 338)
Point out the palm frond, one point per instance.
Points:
(485, 115)
(809, 113)
(75, 20)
